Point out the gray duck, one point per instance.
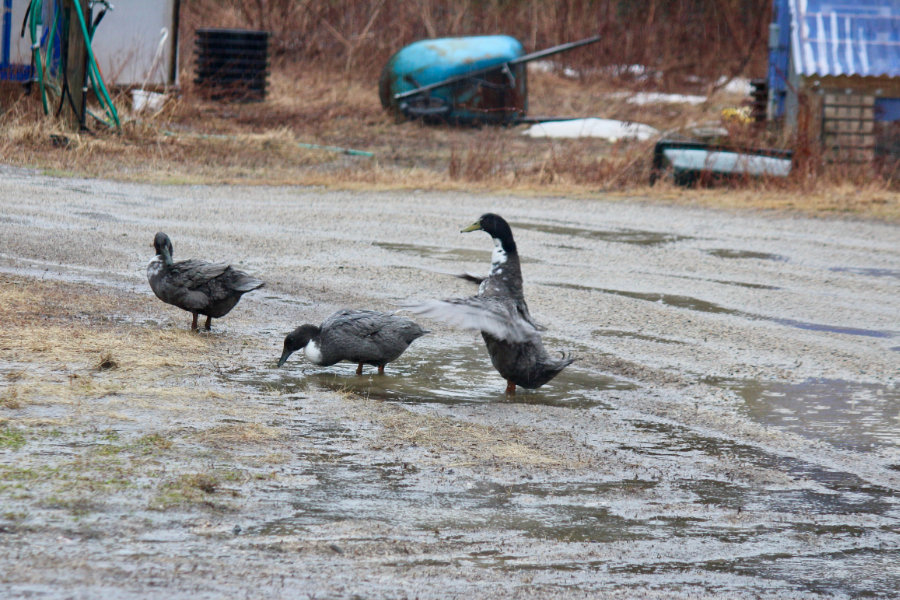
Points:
(360, 336)
(199, 287)
(500, 313)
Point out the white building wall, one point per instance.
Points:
(125, 43)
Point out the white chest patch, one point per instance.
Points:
(498, 256)
(313, 353)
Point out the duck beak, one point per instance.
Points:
(473, 227)
(284, 357)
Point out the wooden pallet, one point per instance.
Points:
(848, 128)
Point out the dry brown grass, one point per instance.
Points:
(240, 434)
(76, 351)
(356, 37)
(451, 442)
(315, 99)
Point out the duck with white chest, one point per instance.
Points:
(500, 313)
(358, 336)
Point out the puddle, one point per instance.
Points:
(729, 253)
(691, 303)
(620, 236)
(667, 299)
(454, 254)
(832, 328)
(752, 286)
(894, 273)
(483, 519)
(98, 216)
(863, 573)
(460, 375)
(846, 414)
(846, 493)
(743, 284)
(635, 336)
(509, 525)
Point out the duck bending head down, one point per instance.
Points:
(358, 336)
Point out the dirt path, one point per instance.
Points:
(730, 428)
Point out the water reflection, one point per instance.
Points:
(847, 414)
(461, 374)
(622, 236)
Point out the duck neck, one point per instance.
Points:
(504, 256)
(166, 257)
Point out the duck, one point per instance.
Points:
(359, 336)
(199, 287)
(500, 313)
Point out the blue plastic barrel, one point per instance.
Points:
(498, 96)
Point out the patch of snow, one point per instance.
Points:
(738, 85)
(544, 66)
(638, 72)
(643, 98)
(592, 127)
(548, 66)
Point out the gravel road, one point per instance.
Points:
(730, 429)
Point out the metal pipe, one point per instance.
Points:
(505, 64)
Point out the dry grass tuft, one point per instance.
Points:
(65, 325)
(240, 434)
(106, 362)
(186, 490)
(10, 398)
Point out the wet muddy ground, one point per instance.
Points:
(731, 428)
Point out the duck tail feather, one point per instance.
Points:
(247, 284)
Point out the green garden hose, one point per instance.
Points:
(93, 71)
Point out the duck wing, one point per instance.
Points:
(193, 274)
(373, 325)
(497, 316)
(198, 285)
(522, 308)
(364, 335)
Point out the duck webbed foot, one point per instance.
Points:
(510, 388)
(359, 369)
